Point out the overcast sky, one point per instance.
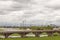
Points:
(38, 12)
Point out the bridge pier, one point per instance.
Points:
(6, 35)
(23, 34)
(58, 33)
(37, 34)
(50, 33)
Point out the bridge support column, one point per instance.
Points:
(6, 35)
(50, 34)
(37, 34)
(23, 35)
(58, 33)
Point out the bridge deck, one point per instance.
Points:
(29, 31)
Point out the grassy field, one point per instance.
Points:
(34, 38)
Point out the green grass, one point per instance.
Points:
(34, 38)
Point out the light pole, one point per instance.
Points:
(24, 21)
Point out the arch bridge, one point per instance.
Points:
(24, 32)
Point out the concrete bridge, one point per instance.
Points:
(23, 33)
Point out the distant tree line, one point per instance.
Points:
(48, 27)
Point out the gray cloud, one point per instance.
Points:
(31, 11)
(12, 6)
(54, 4)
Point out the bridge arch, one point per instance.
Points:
(35, 32)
